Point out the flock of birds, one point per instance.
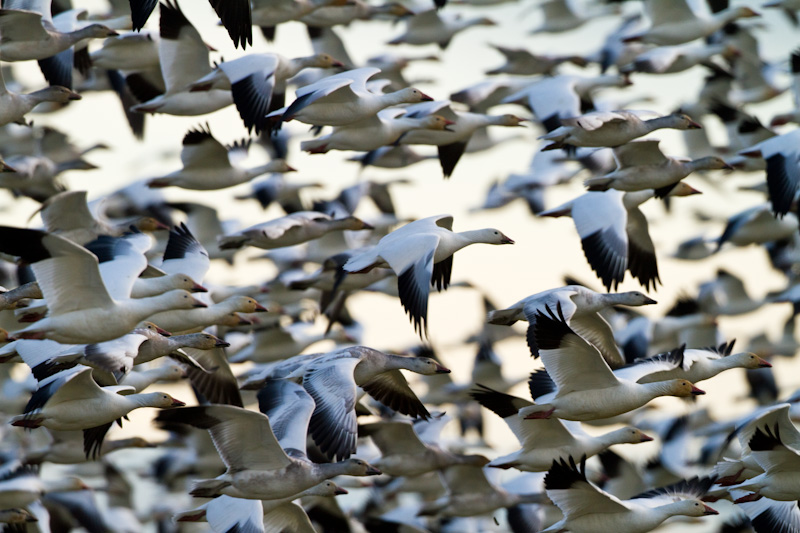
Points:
(109, 300)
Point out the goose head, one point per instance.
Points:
(683, 189)
(245, 304)
(279, 165)
(5, 336)
(633, 299)
(324, 61)
(98, 31)
(693, 508)
(425, 366)
(161, 399)
(326, 488)
(59, 94)
(359, 467)
(436, 122)
(511, 121)
(680, 121)
(355, 223)
(683, 389)
(182, 281)
(182, 299)
(749, 360)
(491, 236)
(711, 163)
(150, 330)
(205, 341)
(412, 95)
(745, 13)
(631, 435)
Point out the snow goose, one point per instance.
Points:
(178, 322)
(277, 342)
(267, 14)
(21, 486)
(225, 512)
(404, 453)
(641, 165)
(382, 129)
(757, 225)
(546, 440)
(587, 508)
(68, 214)
(566, 15)
(184, 58)
(555, 98)
(614, 233)
(14, 106)
(673, 59)
(780, 461)
(10, 298)
(698, 365)
(296, 228)
(521, 62)
(583, 386)
(674, 22)
(258, 82)
(29, 31)
(80, 306)
(234, 15)
(452, 142)
(471, 494)
(783, 170)
(435, 27)
(421, 254)
(611, 128)
(343, 99)
(332, 381)
(72, 400)
(129, 52)
(581, 307)
(725, 295)
(259, 465)
(207, 166)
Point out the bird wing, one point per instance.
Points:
(66, 211)
(596, 120)
(121, 260)
(467, 479)
(19, 25)
(593, 328)
(642, 262)
(568, 488)
(601, 220)
(331, 384)
(181, 50)
(288, 407)
(392, 390)
(572, 363)
(78, 386)
(288, 517)
(184, 254)
(68, 274)
(668, 12)
(638, 153)
(226, 513)
(202, 151)
(394, 437)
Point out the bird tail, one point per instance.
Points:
(208, 488)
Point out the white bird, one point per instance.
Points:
(614, 233)
(14, 106)
(546, 440)
(588, 509)
(184, 59)
(783, 170)
(641, 165)
(258, 82)
(581, 308)
(421, 254)
(578, 383)
(386, 127)
(207, 166)
(80, 306)
(757, 225)
(452, 142)
(259, 466)
(674, 22)
(296, 228)
(72, 400)
(29, 31)
(611, 128)
(435, 27)
(343, 99)
(332, 380)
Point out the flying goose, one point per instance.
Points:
(421, 254)
(587, 508)
(583, 387)
(614, 233)
(207, 165)
(546, 440)
(435, 27)
(641, 165)
(80, 306)
(581, 308)
(296, 228)
(72, 400)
